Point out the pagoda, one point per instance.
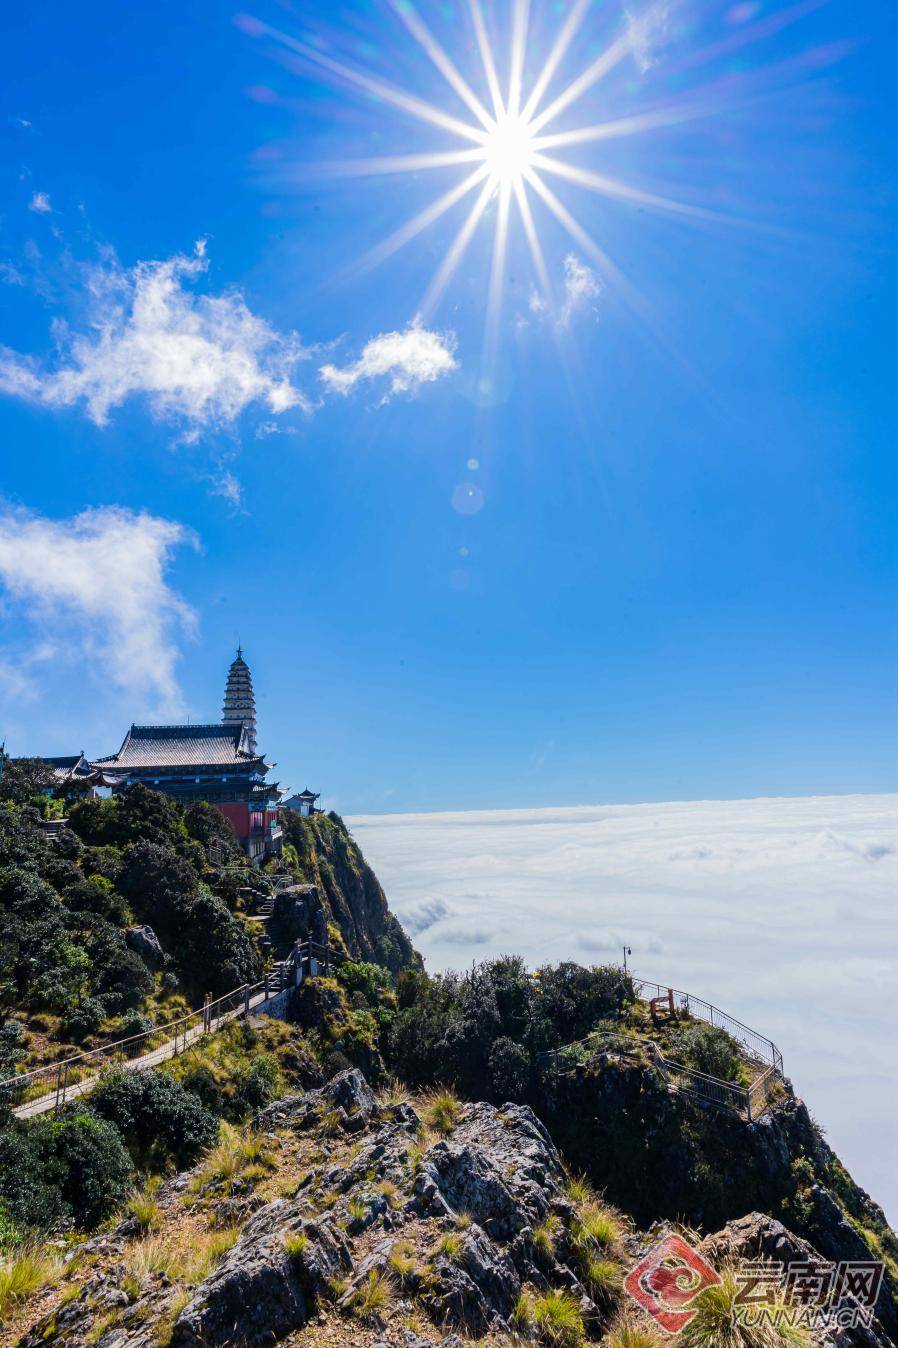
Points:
(218, 763)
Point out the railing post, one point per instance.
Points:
(246, 999)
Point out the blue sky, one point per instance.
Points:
(638, 544)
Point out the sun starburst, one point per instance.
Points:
(507, 142)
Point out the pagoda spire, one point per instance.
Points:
(239, 701)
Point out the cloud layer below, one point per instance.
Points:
(780, 911)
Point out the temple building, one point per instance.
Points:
(218, 763)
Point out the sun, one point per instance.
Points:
(503, 142)
(509, 151)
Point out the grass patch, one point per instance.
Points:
(557, 1319)
(544, 1237)
(142, 1206)
(25, 1271)
(371, 1295)
(402, 1261)
(441, 1110)
(629, 1332)
(595, 1227)
(715, 1323)
(450, 1245)
(603, 1278)
(358, 1209)
(295, 1243)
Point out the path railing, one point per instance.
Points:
(747, 1101)
(53, 1085)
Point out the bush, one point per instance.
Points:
(369, 979)
(159, 1120)
(707, 1048)
(258, 1084)
(83, 1019)
(84, 1158)
(27, 1197)
(509, 1069)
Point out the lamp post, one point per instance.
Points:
(627, 951)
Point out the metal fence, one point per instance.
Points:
(756, 1046)
(748, 1102)
(53, 1085)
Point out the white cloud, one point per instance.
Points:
(780, 911)
(410, 358)
(581, 287)
(40, 202)
(94, 587)
(198, 358)
(650, 31)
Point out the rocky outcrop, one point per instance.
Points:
(346, 1098)
(352, 895)
(268, 1284)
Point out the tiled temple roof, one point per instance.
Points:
(174, 746)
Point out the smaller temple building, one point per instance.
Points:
(217, 763)
(304, 802)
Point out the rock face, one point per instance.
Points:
(347, 1097)
(331, 860)
(268, 1284)
(145, 943)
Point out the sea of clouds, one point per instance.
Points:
(783, 912)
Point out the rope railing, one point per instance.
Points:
(54, 1084)
(748, 1102)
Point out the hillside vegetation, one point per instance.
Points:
(403, 1158)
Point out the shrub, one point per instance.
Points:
(28, 1197)
(707, 1048)
(159, 1120)
(259, 1083)
(509, 1067)
(134, 1023)
(83, 1019)
(84, 1157)
(369, 979)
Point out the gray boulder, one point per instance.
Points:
(499, 1166)
(261, 1291)
(145, 943)
(347, 1095)
(477, 1290)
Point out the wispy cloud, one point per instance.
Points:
(40, 202)
(650, 31)
(200, 359)
(581, 287)
(407, 359)
(95, 586)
